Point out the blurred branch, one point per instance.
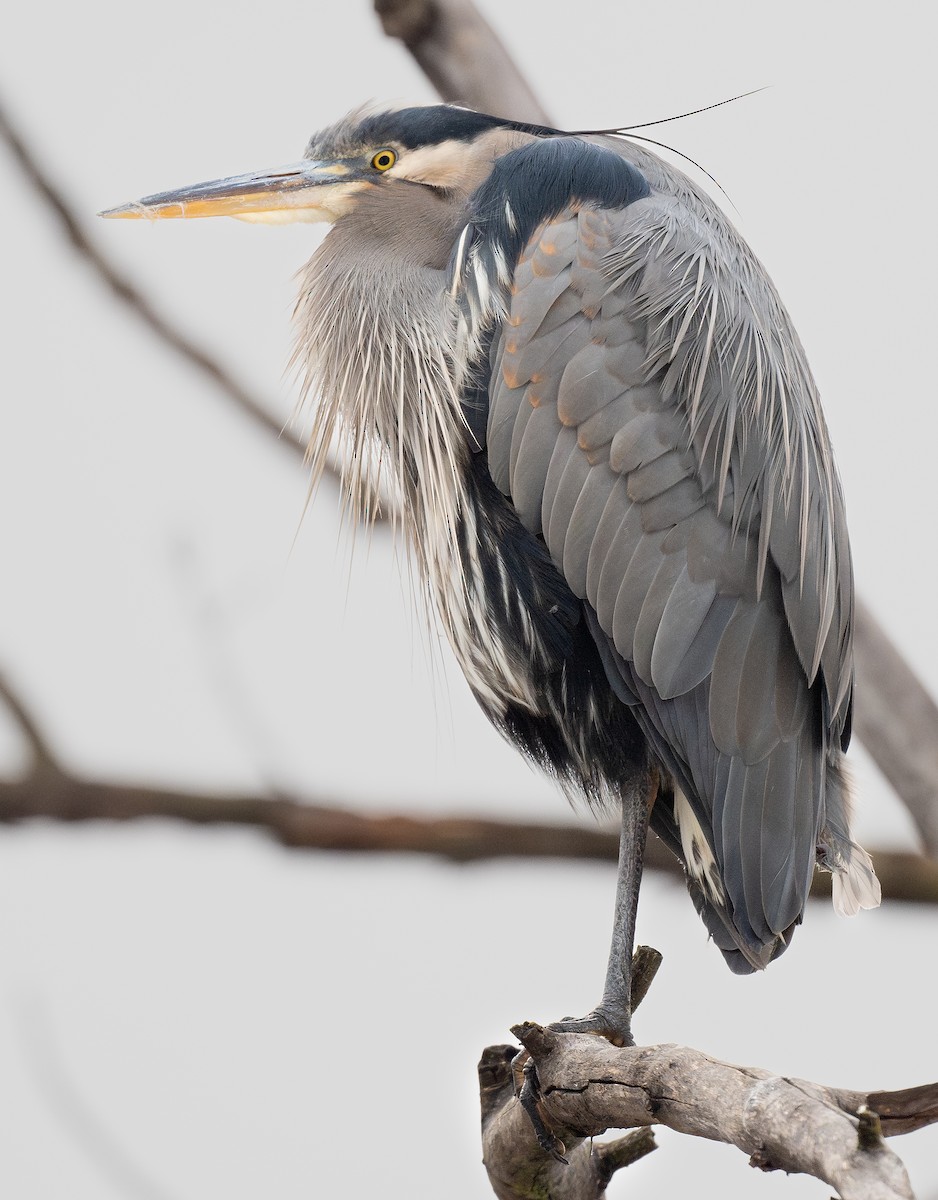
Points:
(461, 55)
(28, 726)
(52, 792)
(895, 717)
(172, 336)
(897, 721)
(580, 1086)
(50, 1073)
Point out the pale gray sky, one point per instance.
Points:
(221, 1006)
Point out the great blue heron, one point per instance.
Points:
(613, 466)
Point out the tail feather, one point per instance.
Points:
(854, 883)
(743, 956)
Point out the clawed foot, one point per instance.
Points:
(624, 992)
(615, 1027)
(602, 1021)
(611, 1019)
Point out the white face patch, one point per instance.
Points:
(449, 164)
(456, 165)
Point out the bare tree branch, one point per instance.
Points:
(585, 1086)
(896, 719)
(171, 335)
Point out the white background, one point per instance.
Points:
(199, 1014)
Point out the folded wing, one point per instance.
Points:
(649, 423)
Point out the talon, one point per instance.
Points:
(529, 1099)
(518, 1065)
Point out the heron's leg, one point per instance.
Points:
(612, 1017)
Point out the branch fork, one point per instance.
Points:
(538, 1143)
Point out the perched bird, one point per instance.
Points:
(613, 467)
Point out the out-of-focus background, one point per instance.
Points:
(197, 1013)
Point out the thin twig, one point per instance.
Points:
(28, 725)
(50, 1074)
(171, 335)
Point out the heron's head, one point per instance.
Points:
(443, 151)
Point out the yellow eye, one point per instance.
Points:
(384, 160)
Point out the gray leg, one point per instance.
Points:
(612, 1017)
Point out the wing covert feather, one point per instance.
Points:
(682, 617)
(531, 463)
(562, 488)
(572, 545)
(621, 546)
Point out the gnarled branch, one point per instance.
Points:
(587, 1086)
(537, 1135)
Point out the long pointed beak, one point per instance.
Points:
(304, 191)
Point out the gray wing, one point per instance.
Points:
(653, 419)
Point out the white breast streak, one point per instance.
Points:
(493, 672)
(394, 397)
